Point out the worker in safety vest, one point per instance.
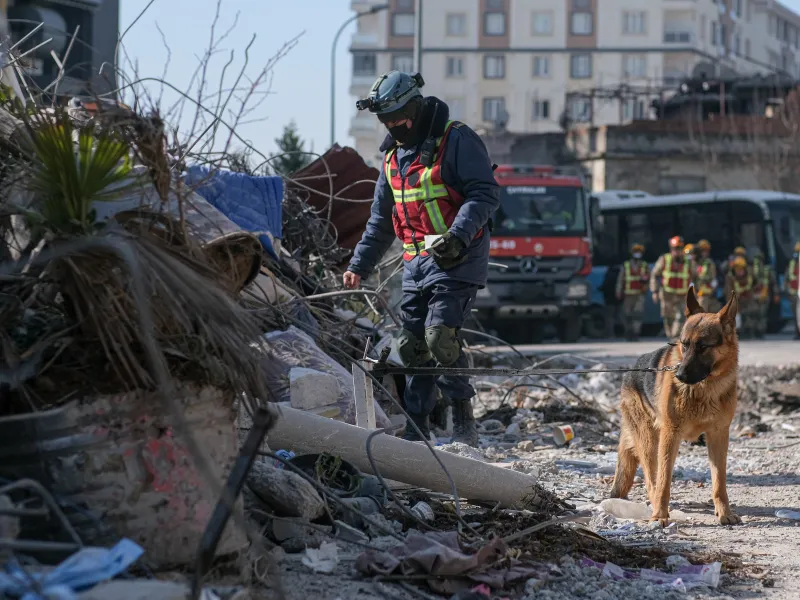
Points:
(766, 291)
(631, 288)
(670, 279)
(790, 286)
(706, 277)
(740, 280)
(738, 252)
(436, 192)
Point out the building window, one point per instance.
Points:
(494, 67)
(581, 23)
(403, 63)
(456, 25)
(541, 66)
(580, 110)
(494, 23)
(455, 67)
(542, 23)
(404, 5)
(634, 66)
(497, 5)
(717, 33)
(493, 109)
(364, 64)
(541, 110)
(402, 24)
(580, 66)
(633, 110)
(634, 22)
(737, 45)
(456, 106)
(747, 48)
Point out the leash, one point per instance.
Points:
(380, 369)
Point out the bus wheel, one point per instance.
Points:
(569, 330)
(596, 323)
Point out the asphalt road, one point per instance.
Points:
(774, 350)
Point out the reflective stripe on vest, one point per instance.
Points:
(794, 281)
(703, 275)
(634, 279)
(675, 282)
(430, 190)
(743, 289)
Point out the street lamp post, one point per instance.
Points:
(375, 9)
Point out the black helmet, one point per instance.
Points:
(392, 92)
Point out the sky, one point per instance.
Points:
(299, 82)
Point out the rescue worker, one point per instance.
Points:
(631, 287)
(706, 277)
(436, 192)
(738, 252)
(765, 293)
(740, 280)
(669, 282)
(688, 251)
(791, 284)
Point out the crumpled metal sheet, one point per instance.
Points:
(347, 166)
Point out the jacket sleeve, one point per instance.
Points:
(620, 279)
(655, 274)
(379, 234)
(468, 169)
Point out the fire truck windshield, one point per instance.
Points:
(527, 210)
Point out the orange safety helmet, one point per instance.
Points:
(637, 248)
(739, 261)
(704, 245)
(797, 247)
(740, 251)
(676, 242)
(688, 249)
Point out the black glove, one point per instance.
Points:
(446, 251)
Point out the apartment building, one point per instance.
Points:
(521, 65)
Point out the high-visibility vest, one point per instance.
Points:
(423, 203)
(704, 278)
(792, 279)
(743, 288)
(635, 278)
(761, 278)
(675, 280)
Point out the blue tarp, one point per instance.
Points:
(253, 203)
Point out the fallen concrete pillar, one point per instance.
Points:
(398, 459)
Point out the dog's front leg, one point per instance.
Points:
(717, 441)
(668, 444)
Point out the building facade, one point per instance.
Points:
(534, 66)
(97, 25)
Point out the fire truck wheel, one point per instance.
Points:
(569, 330)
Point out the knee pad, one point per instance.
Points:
(443, 344)
(413, 352)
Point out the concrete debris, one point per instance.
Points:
(463, 450)
(322, 560)
(309, 388)
(284, 492)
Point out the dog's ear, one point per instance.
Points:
(692, 305)
(727, 315)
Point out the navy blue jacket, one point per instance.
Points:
(466, 168)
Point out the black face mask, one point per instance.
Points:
(401, 133)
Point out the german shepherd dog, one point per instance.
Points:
(662, 408)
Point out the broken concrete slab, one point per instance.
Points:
(309, 388)
(284, 492)
(284, 529)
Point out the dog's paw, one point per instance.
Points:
(728, 518)
(662, 520)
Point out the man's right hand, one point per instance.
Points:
(351, 280)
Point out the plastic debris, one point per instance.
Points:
(322, 560)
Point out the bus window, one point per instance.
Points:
(748, 225)
(786, 225)
(606, 240)
(710, 221)
(652, 228)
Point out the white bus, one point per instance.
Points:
(726, 218)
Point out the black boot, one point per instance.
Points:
(464, 428)
(423, 423)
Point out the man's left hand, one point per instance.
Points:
(446, 251)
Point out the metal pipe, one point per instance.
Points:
(418, 36)
(384, 304)
(375, 9)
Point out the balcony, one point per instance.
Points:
(364, 40)
(678, 37)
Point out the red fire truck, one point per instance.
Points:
(541, 238)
